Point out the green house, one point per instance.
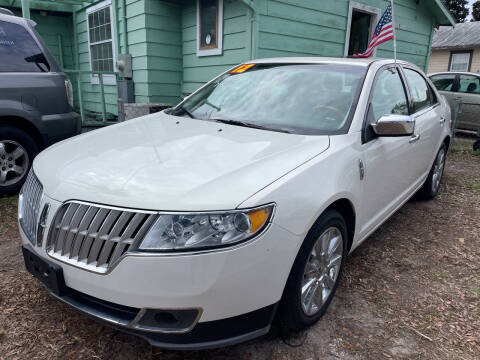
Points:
(173, 47)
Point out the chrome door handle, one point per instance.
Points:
(442, 120)
(414, 138)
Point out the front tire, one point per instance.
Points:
(17, 150)
(315, 273)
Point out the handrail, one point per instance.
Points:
(102, 90)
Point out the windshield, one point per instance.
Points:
(303, 99)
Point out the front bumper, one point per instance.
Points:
(236, 289)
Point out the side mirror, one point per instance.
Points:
(394, 125)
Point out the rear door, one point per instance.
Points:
(429, 121)
(469, 92)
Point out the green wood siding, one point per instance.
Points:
(198, 70)
(318, 28)
(161, 74)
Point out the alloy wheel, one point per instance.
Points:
(321, 270)
(438, 170)
(14, 162)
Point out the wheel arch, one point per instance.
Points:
(24, 125)
(346, 208)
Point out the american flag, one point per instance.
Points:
(383, 32)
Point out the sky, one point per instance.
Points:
(470, 3)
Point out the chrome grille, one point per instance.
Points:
(95, 237)
(31, 195)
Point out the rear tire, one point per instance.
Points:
(17, 150)
(476, 145)
(313, 277)
(432, 185)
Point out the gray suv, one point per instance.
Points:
(35, 101)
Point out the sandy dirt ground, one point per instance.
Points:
(410, 291)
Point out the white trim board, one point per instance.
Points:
(353, 5)
(218, 49)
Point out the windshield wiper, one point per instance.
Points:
(246, 124)
(182, 108)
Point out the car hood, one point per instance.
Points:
(163, 162)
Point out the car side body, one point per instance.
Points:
(33, 96)
(461, 87)
(164, 164)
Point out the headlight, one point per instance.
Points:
(184, 232)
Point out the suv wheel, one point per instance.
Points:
(315, 273)
(17, 150)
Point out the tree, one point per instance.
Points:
(458, 9)
(476, 11)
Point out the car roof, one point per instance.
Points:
(16, 20)
(454, 73)
(322, 60)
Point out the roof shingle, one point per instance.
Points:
(463, 35)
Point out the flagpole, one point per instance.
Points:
(394, 34)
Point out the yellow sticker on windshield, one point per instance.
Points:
(242, 68)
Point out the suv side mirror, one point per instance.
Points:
(394, 125)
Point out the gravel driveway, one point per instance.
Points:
(412, 290)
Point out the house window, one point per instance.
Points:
(101, 41)
(460, 60)
(362, 20)
(209, 27)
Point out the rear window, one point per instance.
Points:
(18, 50)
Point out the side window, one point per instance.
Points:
(388, 96)
(422, 95)
(443, 82)
(18, 50)
(209, 27)
(469, 84)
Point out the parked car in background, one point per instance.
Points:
(464, 87)
(35, 101)
(194, 227)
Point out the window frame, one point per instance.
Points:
(107, 79)
(370, 10)
(429, 85)
(211, 50)
(365, 124)
(470, 54)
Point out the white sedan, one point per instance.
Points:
(195, 227)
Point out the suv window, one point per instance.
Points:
(19, 51)
(443, 82)
(388, 96)
(422, 95)
(469, 84)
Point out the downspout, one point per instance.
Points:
(124, 18)
(253, 28)
(25, 9)
(429, 49)
(115, 26)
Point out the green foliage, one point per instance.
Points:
(458, 9)
(476, 11)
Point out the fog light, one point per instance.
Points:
(168, 321)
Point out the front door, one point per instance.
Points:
(387, 160)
